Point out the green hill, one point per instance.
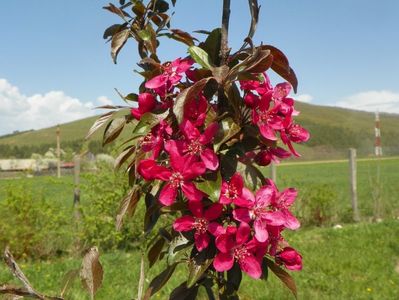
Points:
(333, 130)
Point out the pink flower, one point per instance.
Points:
(234, 246)
(269, 154)
(147, 103)
(172, 74)
(291, 259)
(154, 140)
(195, 110)
(262, 86)
(293, 132)
(234, 190)
(182, 171)
(197, 144)
(200, 222)
(282, 202)
(267, 119)
(258, 209)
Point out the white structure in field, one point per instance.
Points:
(377, 143)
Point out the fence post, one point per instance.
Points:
(58, 152)
(353, 182)
(76, 173)
(273, 172)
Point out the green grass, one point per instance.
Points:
(59, 190)
(336, 177)
(356, 262)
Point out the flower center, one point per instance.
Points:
(201, 225)
(176, 179)
(147, 140)
(240, 253)
(265, 116)
(195, 147)
(294, 130)
(232, 192)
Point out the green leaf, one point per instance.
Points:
(282, 275)
(159, 281)
(128, 206)
(187, 94)
(265, 270)
(118, 41)
(254, 9)
(145, 35)
(234, 277)
(200, 57)
(155, 251)
(212, 45)
(100, 122)
(197, 270)
(113, 129)
(184, 292)
(281, 66)
(211, 187)
(176, 249)
(228, 129)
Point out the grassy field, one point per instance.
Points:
(356, 262)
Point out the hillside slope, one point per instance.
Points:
(333, 131)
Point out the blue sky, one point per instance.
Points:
(55, 66)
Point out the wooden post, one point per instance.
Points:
(353, 181)
(58, 152)
(273, 172)
(76, 172)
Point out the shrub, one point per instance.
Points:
(315, 207)
(101, 193)
(33, 225)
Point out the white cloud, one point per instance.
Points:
(102, 100)
(304, 98)
(383, 101)
(21, 112)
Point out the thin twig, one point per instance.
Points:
(224, 47)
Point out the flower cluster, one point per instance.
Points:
(242, 226)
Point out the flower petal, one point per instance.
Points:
(201, 241)
(213, 212)
(149, 170)
(242, 215)
(209, 133)
(225, 242)
(168, 195)
(192, 193)
(156, 82)
(290, 221)
(209, 159)
(265, 196)
(223, 262)
(261, 233)
(185, 223)
(242, 233)
(251, 266)
(147, 102)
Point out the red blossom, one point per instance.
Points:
(179, 175)
(291, 259)
(197, 144)
(235, 245)
(171, 76)
(234, 190)
(200, 222)
(293, 132)
(154, 140)
(147, 103)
